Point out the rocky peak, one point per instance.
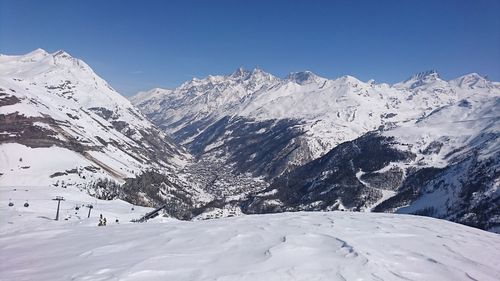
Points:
(471, 81)
(420, 79)
(240, 73)
(303, 77)
(425, 75)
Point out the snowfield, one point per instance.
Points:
(288, 246)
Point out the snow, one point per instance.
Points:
(332, 111)
(42, 209)
(455, 125)
(438, 121)
(386, 194)
(24, 166)
(288, 246)
(42, 68)
(64, 97)
(39, 164)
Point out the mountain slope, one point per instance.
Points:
(260, 143)
(444, 165)
(62, 124)
(290, 246)
(424, 146)
(208, 115)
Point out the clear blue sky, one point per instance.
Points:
(137, 45)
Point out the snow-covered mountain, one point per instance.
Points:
(443, 165)
(424, 145)
(208, 115)
(61, 124)
(256, 143)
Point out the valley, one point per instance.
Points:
(253, 143)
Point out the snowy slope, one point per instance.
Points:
(60, 122)
(41, 211)
(289, 246)
(462, 142)
(445, 164)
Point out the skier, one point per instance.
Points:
(104, 221)
(101, 220)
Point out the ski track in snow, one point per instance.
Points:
(288, 246)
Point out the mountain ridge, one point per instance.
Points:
(54, 102)
(285, 130)
(250, 142)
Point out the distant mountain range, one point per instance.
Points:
(251, 142)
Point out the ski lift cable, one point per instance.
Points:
(31, 199)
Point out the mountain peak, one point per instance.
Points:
(35, 55)
(349, 80)
(38, 51)
(240, 72)
(425, 75)
(303, 77)
(421, 78)
(61, 54)
(154, 93)
(471, 80)
(473, 75)
(61, 57)
(256, 73)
